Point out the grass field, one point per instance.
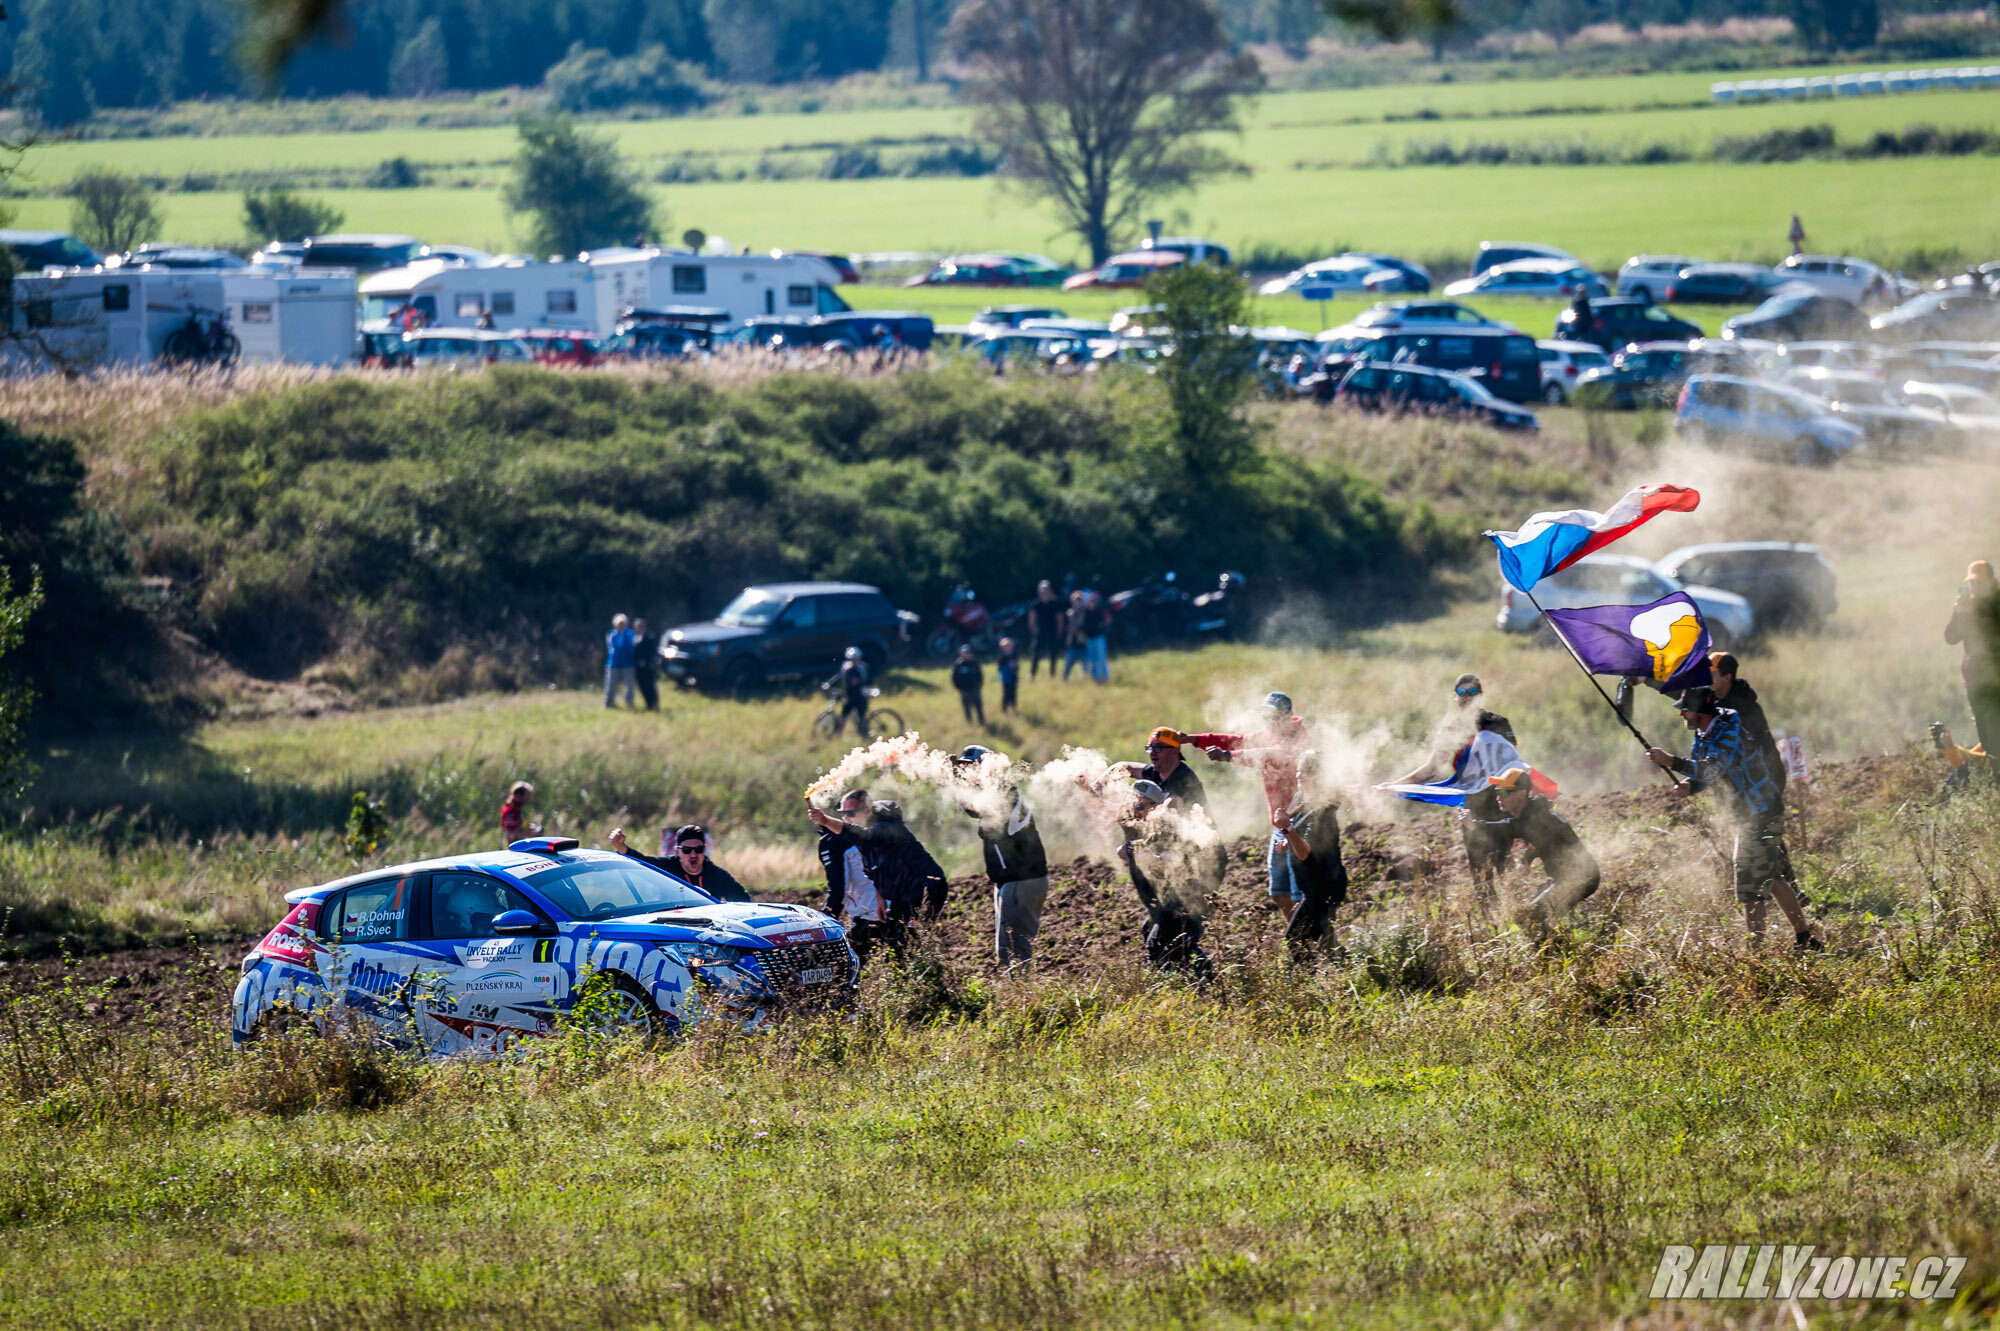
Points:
(1310, 187)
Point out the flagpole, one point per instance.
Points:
(1623, 719)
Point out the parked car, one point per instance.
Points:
(48, 249)
(843, 267)
(365, 253)
(1493, 253)
(1745, 356)
(1505, 361)
(1562, 363)
(280, 255)
(1373, 386)
(651, 342)
(1784, 582)
(1799, 316)
(1193, 249)
(1548, 279)
(1619, 321)
(1425, 315)
(558, 346)
(1723, 284)
(971, 270)
(1042, 271)
(1959, 314)
(470, 954)
(1646, 374)
(1416, 277)
(1781, 422)
(1976, 414)
(1855, 280)
(1647, 276)
(1013, 316)
(1865, 400)
(189, 257)
(1126, 270)
(1831, 355)
(786, 629)
(1624, 580)
(1343, 275)
(463, 348)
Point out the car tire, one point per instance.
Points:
(1644, 293)
(1810, 452)
(629, 1009)
(1553, 395)
(743, 678)
(875, 656)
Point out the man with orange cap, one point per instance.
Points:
(1165, 767)
(1975, 620)
(1572, 870)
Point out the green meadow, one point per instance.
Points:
(1314, 182)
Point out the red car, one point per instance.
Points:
(556, 346)
(1127, 270)
(972, 270)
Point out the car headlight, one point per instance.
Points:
(704, 954)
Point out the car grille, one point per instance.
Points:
(782, 967)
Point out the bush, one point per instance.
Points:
(283, 215)
(591, 79)
(512, 511)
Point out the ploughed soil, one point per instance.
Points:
(1090, 926)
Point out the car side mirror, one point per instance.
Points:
(514, 923)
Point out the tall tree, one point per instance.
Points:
(1100, 105)
(17, 699)
(1208, 378)
(283, 215)
(576, 187)
(421, 67)
(112, 212)
(1434, 22)
(1834, 25)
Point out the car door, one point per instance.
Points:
(371, 962)
(804, 637)
(480, 992)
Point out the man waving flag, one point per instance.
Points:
(1550, 542)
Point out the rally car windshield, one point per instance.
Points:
(600, 889)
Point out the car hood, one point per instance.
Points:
(1717, 597)
(708, 631)
(750, 924)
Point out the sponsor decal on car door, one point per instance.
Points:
(370, 961)
(487, 990)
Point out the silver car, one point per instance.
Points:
(1624, 580)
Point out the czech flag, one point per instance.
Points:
(1550, 542)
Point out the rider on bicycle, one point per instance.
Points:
(852, 681)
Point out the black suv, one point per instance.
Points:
(1622, 321)
(782, 629)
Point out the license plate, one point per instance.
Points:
(817, 975)
(676, 669)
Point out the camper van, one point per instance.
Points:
(590, 293)
(517, 293)
(303, 317)
(96, 318)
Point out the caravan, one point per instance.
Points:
(516, 293)
(105, 318)
(590, 293)
(304, 317)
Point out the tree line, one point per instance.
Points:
(70, 58)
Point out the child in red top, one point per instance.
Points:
(513, 820)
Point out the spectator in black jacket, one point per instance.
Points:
(646, 663)
(1735, 693)
(969, 678)
(1311, 829)
(1176, 861)
(689, 862)
(1046, 614)
(1016, 864)
(852, 860)
(1572, 869)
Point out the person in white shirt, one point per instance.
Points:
(1480, 745)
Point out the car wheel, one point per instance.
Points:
(742, 679)
(876, 657)
(624, 1010)
(1642, 293)
(1553, 394)
(1810, 452)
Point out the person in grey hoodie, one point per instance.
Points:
(1016, 863)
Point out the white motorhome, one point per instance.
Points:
(304, 317)
(98, 318)
(744, 286)
(517, 293)
(589, 293)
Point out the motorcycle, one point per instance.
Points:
(967, 622)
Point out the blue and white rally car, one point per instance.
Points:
(471, 953)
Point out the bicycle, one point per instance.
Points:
(875, 721)
(196, 343)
